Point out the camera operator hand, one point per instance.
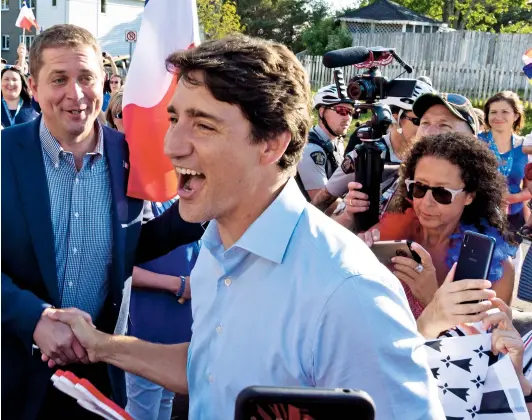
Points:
(355, 200)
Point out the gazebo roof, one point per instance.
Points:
(386, 10)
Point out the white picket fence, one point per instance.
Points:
(473, 80)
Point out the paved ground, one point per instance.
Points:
(518, 303)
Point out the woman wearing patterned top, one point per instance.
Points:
(449, 184)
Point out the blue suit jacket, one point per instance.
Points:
(29, 278)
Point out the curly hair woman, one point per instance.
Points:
(449, 184)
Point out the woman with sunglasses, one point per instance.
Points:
(449, 184)
(504, 118)
(16, 99)
(113, 115)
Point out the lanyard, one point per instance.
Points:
(8, 112)
(504, 167)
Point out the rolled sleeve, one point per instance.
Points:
(337, 184)
(313, 175)
(367, 339)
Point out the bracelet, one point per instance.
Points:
(182, 288)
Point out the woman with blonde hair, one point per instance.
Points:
(113, 115)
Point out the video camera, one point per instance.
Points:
(370, 86)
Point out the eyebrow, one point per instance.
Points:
(196, 113)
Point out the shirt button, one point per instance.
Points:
(219, 329)
(70, 284)
(210, 378)
(76, 214)
(56, 165)
(74, 250)
(77, 180)
(227, 282)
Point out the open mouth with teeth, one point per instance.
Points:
(190, 181)
(75, 111)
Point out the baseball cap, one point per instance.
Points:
(459, 105)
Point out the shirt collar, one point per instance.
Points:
(53, 149)
(269, 235)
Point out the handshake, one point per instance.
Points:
(67, 336)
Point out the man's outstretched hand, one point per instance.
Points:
(71, 348)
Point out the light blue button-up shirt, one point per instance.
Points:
(300, 301)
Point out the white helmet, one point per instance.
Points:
(406, 103)
(328, 95)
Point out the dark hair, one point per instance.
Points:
(60, 36)
(25, 91)
(479, 172)
(511, 99)
(264, 79)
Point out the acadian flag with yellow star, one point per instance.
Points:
(527, 59)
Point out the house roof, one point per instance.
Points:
(385, 10)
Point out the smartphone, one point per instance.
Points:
(278, 403)
(475, 256)
(386, 250)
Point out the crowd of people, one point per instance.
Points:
(254, 273)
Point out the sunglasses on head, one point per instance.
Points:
(118, 115)
(442, 195)
(455, 99)
(343, 110)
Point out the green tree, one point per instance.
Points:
(479, 15)
(325, 35)
(280, 20)
(218, 18)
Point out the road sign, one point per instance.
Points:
(131, 36)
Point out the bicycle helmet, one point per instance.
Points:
(406, 103)
(328, 95)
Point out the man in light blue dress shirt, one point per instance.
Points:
(281, 294)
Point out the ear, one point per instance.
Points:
(469, 198)
(272, 150)
(32, 84)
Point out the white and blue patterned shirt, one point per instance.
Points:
(80, 203)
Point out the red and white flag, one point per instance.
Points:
(26, 19)
(167, 26)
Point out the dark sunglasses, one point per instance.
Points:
(442, 195)
(413, 120)
(455, 99)
(343, 110)
(118, 115)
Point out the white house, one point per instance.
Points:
(108, 20)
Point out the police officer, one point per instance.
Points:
(399, 138)
(325, 149)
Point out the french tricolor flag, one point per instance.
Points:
(26, 19)
(167, 26)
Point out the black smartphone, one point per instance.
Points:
(475, 256)
(278, 403)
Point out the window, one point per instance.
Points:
(29, 3)
(54, 2)
(5, 4)
(409, 28)
(28, 40)
(103, 6)
(418, 29)
(426, 29)
(5, 42)
(435, 29)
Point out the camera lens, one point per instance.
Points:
(401, 253)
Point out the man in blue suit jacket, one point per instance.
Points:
(70, 235)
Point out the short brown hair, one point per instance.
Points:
(511, 99)
(263, 78)
(115, 104)
(60, 36)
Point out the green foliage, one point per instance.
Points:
(513, 16)
(280, 20)
(218, 18)
(325, 35)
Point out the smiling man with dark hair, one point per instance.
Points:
(281, 294)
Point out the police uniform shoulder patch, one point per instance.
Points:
(348, 166)
(318, 158)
